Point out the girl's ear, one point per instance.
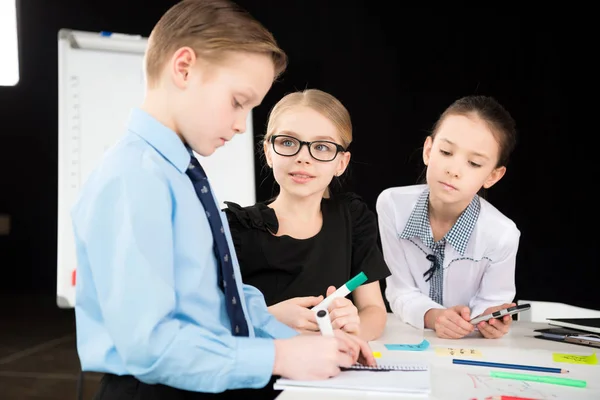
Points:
(494, 177)
(427, 149)
(268, 155)
(343, 163)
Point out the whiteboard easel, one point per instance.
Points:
(100, 79)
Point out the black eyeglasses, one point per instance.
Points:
(320, 150)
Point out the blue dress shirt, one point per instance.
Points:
(147, 299)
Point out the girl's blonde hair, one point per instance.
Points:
(319, 101)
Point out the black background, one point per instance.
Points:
(395, 70)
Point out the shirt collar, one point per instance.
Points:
(161, 138)
(418, 224)
(460, 233)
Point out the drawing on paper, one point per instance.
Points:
(509, 387)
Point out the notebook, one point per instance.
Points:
(412, 379)
(584, 324)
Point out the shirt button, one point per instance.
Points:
(233, 301)
(224, 283)
(226, 258)
(222, 230)
(237, 329)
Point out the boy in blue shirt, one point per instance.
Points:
(160, 307)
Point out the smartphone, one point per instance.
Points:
(501, 313)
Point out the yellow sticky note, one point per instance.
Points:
(376, 354)
(450, 351)
(575, 358)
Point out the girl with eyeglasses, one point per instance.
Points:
(305, 243)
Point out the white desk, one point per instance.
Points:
(460, 382)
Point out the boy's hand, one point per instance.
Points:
(312, 357)
(361, 350)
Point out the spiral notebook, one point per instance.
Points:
(412, 379)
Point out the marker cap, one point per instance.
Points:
(356, 281)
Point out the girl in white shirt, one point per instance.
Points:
(451, 253)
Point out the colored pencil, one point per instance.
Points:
(539, 378)
(509, 366)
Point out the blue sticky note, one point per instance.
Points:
(408, 347)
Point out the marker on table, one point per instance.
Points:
(509, 366)
(342, 291)
(509, 398)
(539, 378)
(324, 323)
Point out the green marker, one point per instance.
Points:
(342, 291)
(539, 378)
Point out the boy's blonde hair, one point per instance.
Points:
(211, 28)
(321, 102)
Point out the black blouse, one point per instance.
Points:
(282, 267)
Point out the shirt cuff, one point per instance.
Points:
(254, 363)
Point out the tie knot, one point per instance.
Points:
(195, 170)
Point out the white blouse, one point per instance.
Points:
(478, 256)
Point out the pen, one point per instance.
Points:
(508, 398)
(510, 366)
(342, 291)
(324, 323)
(539, 378)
